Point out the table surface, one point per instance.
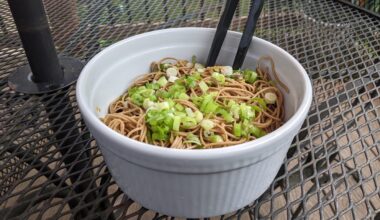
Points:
(51, 167)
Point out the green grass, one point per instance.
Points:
(373, 5)
(120, 12)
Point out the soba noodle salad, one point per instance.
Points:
(182, 104)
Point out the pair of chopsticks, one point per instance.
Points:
(224, 24)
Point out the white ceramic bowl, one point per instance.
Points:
(188, 183)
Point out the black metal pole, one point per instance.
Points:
(33, 28)
(46, 71)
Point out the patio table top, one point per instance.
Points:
(51, 167)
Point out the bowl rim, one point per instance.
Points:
(144, 148)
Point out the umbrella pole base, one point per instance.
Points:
(21, 80)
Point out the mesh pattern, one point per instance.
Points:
(50, 166)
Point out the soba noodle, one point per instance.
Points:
(181, 104)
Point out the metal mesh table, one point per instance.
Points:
(50, 166)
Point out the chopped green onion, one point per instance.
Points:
(226, 70)
(182, 114)
(250, 76)
(201, 70)
(148, 103)
(198, 66)
(189, 112)
(198, 116)
(152, 86)
(191, 81)
(168, 115)
(270, 98)
(157, 136)
(189, 65)
(245, 127)
(204, 100)
(192, 139)
(176, 123)
(188, 122)
(193, 59)
(176, 88)
(172, 71)
(162, 66)
(256, 108)
(171, 103)
(163, 94)
(257, 132)
(237, 130)
(235, 110)
(215, 139)
(211, 107)
(149, 136)
(159, 123)
(160, 133)
(183, 96)
(226, 115)
(162, 81)
(203, 86)
(231, 103)
(197, 75)
(137, 99)
(260, 101)
(140, 93)
(168, 120)
(207, 124)
(213, 94)
(153, 97)
(246, 111)
(197, 100)
(207, 133)
(147, 92)
(172, 78)
(218, 77)
(162, 105)
(207, 103)
(179, 107)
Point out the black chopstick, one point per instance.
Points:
(245, 41)
(224, 24)
(221, 31)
